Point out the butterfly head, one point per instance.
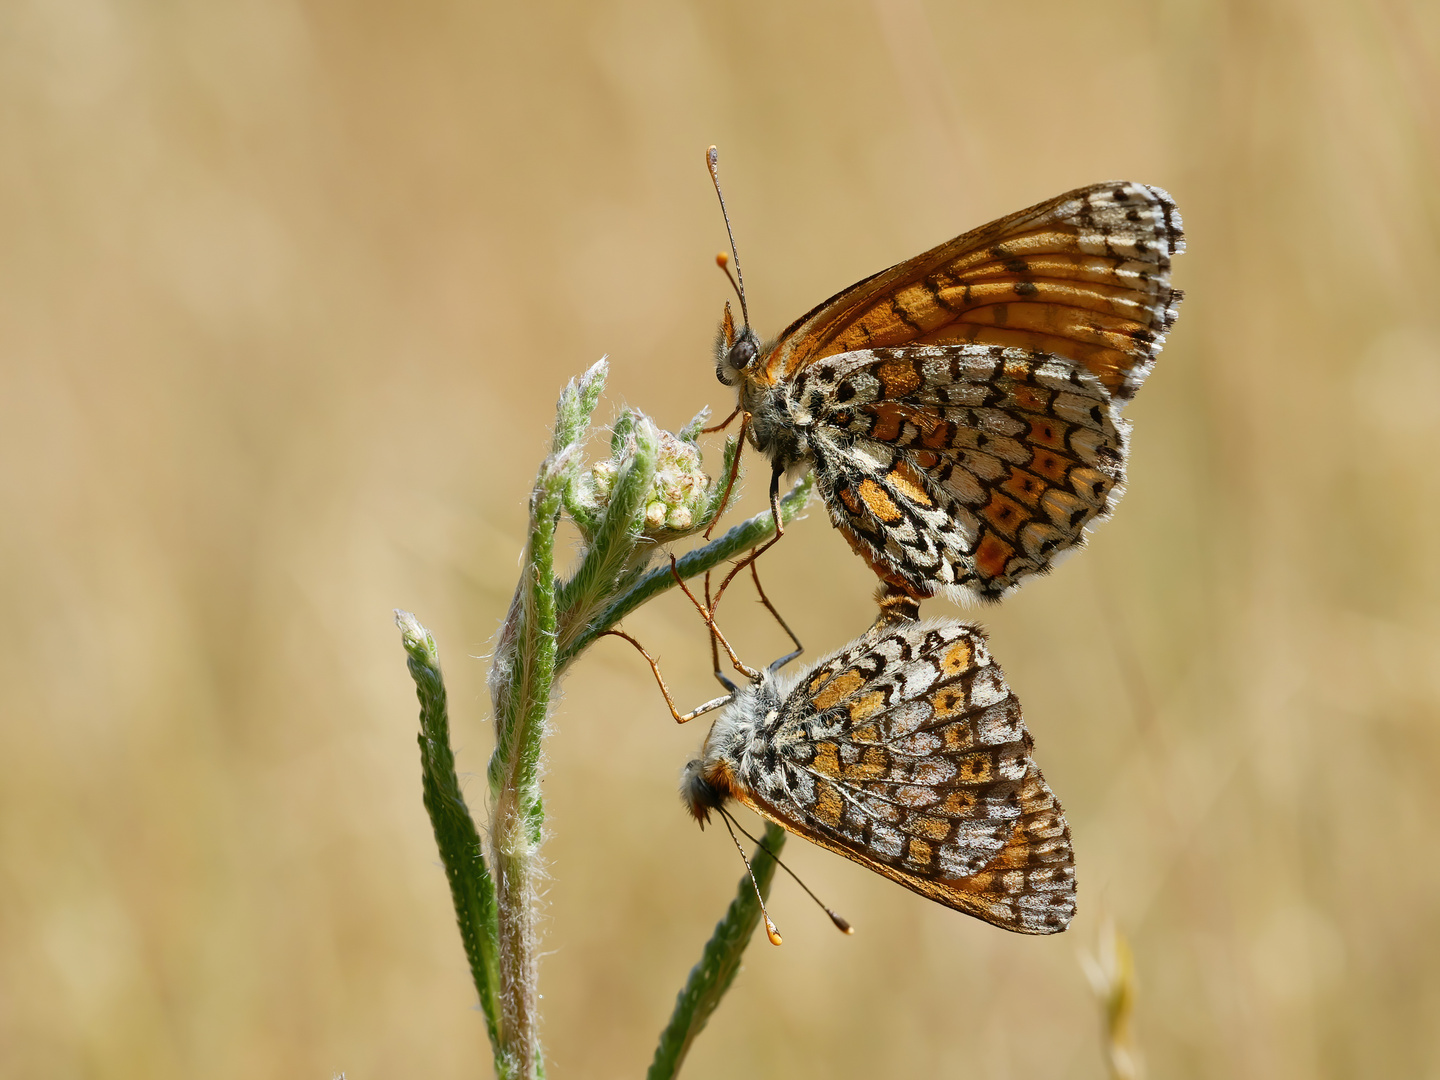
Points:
(706, 785)
(699, 794)
(736, 351)
(710, 781)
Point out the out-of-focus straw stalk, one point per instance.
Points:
(1111, 972)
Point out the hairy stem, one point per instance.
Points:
(548, 625)
(521, 687)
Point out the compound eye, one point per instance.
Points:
(743, 353)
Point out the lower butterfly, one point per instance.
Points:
(905, 751)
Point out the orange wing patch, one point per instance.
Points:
(957, 659)
(878, 503)
(838, 687)
(899, 378)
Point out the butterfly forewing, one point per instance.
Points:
(1084, 276)
(907, 753)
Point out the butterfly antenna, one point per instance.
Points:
(712, 161)
(842, 924)
(770, 931)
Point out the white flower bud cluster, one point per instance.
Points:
(678, 496)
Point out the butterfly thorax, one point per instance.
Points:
(777, 429)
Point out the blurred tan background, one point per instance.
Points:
(288, 293)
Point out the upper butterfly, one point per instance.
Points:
(961, 409)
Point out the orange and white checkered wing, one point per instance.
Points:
(906, 752)
(960, 468)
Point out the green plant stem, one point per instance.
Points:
(471, 889)
(577, 635)
(719, 962)
(548, 625)
(523, 678)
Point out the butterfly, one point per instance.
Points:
(906, 752)
(961, 410)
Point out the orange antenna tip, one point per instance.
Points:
(722, 260)
(771, 932)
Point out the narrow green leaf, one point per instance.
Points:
(541, 659)
(622, 427)
(576, 406)
(592, 385)
(613, 542)
(471, 889)
(691, 431)
(577, 506)
(526, 649)
(719, 962)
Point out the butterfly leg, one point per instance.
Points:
(680, 718)
(755, 553)
(733, 474)
(722, 425)
(778, 664)
(715, 643)
(708, 614)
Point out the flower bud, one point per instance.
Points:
(678, 501)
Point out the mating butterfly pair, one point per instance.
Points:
(961, 411)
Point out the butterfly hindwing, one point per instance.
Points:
(906, 752)
(963, 466)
